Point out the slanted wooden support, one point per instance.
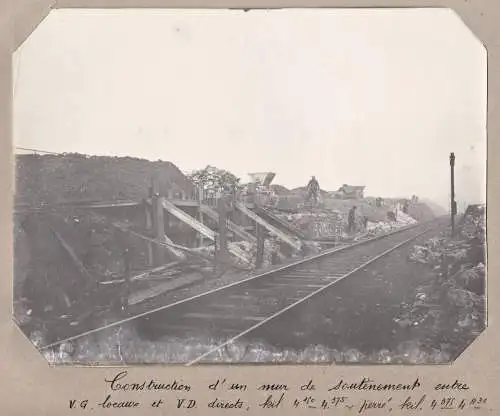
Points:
(76, 261)
(172, 246)
(69, 250)
(236, 229)
(188, 219)
(166, 243)
(296, 245)
(290, 228)
(196, 225)
(260, 231)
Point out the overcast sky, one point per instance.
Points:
(365, 97)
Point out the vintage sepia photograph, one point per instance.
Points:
(292, 186)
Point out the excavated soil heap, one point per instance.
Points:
(53, 179)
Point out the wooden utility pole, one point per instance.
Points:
(453, 203)
(260, 231)
(149, 228)
(222, 211)
(199, 197)
(158, 225)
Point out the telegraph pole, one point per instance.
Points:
(453, 203)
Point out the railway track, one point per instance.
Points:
(231, 312)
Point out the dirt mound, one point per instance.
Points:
(74, 177)
(280, 190)
(303, 191)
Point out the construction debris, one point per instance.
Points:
(451, 308)
(323, 224)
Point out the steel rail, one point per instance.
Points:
(305, 298)
(237, 283)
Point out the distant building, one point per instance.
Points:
(349, 192)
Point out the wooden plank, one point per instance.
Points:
(188, 251)
(185, 202)
(69, 250)
(155, 270)
(75, 204)
(298, 284)
(283, 223)
(273, 230)
(196, 329)
(162, 288)
(236, 229)
(141, 276)
(223, 305)
(213, 316)
(167, 243)
(110, 205)
(197, 226)
(188, 219)
(177, 253)
(298, 279)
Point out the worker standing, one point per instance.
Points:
(351, 219)
(313, 190)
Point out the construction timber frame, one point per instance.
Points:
(158, 213)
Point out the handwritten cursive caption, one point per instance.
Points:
(233, 395)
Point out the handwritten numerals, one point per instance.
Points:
(476, 403)
(454, 403)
